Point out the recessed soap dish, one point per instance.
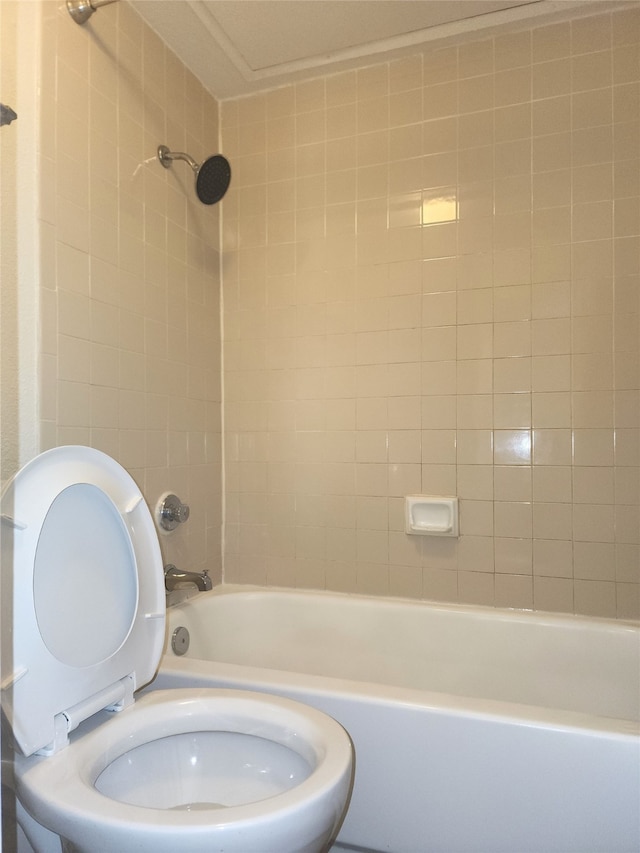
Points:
(431, 515)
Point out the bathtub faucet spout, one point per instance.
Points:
(173, 577)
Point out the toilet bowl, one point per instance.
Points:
(195, 770)
(83, 623)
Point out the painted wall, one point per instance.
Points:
(8, 241)
(431, 286)
(129, 282)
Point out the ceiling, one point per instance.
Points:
(237, 47)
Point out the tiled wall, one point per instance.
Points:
(130, 348)
(431, 285)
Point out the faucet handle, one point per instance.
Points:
(172, 512)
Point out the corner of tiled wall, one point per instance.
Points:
(431, 285)
(130, 286)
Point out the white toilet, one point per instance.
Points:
(83, 625)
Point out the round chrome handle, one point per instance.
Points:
(180, 640)
(181, 513)
(172, 512)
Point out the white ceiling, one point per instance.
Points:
(237, 47)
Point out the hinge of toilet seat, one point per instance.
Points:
(60, 736)
(114, 698)
(12, 522)
(129, 685)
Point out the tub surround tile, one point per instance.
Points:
(133, 328)
(495, 356)
(430, 272)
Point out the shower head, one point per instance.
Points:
(213, 175)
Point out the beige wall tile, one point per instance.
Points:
(514, 591)
(430, 279)
(497, 384)
(553, 594)
(117, 262)
(476, 588)
(594, 597)
(513, 556)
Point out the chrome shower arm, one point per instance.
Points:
(166, 157)
(82, 10)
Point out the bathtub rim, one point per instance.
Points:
(544, 617)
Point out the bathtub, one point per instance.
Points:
(476, 730)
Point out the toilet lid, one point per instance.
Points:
(83, 604)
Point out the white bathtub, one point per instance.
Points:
(476, 730)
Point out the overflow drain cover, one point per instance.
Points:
(180, 641)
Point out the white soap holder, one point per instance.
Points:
(431, 515)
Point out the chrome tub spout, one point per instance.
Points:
(175, 577)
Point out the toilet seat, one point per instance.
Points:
(82, 590)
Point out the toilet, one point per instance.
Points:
(98, 769)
